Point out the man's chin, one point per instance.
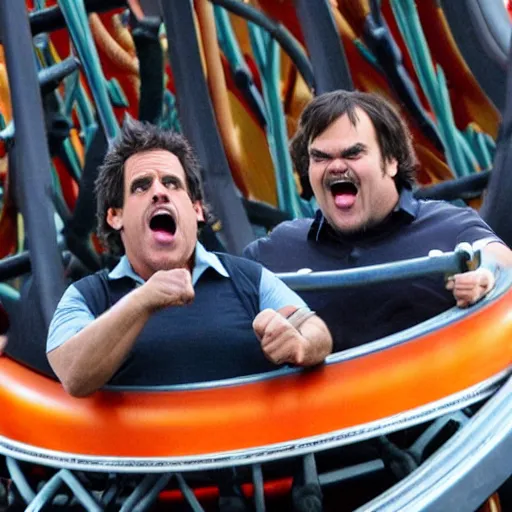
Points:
(158, 264)
(171, 259)
(347, 226)
(350, 230)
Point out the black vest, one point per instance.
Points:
(210, 339)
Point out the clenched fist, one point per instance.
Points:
(280, 341)
(167, 288)
(470, 287)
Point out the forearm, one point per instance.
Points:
(89, 359)
(499, 253)
(317, 341)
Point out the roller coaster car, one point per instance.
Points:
(269, 433)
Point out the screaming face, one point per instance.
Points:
(158, 220)
(162, 223)
(352, 184)
(344, 188)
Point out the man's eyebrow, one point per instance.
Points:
(318, 153)
(172, 178)
(137, 182)
(357, 148)
(353, 150)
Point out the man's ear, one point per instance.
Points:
(115, 218)
(392, 168)
(198, 208)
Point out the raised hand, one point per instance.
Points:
(167, 288)
(280, 341)
(470, 287)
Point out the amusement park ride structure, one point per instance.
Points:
(283, 432)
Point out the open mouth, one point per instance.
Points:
(344, 193)
(163, 225)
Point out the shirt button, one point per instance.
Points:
(354, 254)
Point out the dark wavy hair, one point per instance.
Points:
(136, 137)
(393, 136)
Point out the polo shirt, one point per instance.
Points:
(359, 315)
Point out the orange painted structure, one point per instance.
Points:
(37, 411)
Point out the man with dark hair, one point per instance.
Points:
(171, 312)
(359, 157)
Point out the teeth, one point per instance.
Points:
(336, 182)
(161, 212)
(340, 182)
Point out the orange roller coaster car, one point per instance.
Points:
(426, 364)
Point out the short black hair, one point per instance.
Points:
(393, 135)
(136, 137)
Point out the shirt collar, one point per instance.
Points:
(203, 260)
(407, 207)
(407, 203)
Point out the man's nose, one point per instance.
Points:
(160, 193)
(337, 165)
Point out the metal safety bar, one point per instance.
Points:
(460, 260)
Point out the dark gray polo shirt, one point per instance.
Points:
(357, 316)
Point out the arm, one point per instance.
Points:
(88, 359)
(307, 344)
(469, 287)
(500, 252)
(318, 341)
(286, 334)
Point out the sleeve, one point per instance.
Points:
(71, 316)
(274, 294)
(251, 251)
(474, 230)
